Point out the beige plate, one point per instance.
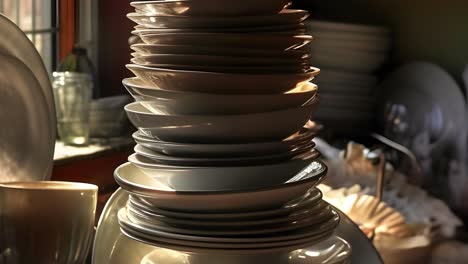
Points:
(214, 60)
(187, 103)
(221, 83)
(213, 129)
(210, 7)
(149, 49)
(254, 42)
(236, 69)
(288, 30)
(285, 17)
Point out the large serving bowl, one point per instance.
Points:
(149, 49)
(256, 42)
(225, 83)
(214, 60)
(144, 171)
(187, 103)
(159, 194)
(246, 128)
(285, 17)
(210, 7)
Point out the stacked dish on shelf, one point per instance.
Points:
(224, 163)
(349, 56)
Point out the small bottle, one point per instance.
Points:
(77, 61)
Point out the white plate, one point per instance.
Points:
(246, 128)
(297, 214)
(275, 196)
(322, 222)
(17, 44)
(26, 137)
(309, 199)
(148, 49)
(214, 60)
(187, 103)
(255, 42)
(163, 159)
(225, 150)
(147, 177)
(210, 7)
(285, 17)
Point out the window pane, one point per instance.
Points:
(43, 14)
(44, 46)
(9, 9)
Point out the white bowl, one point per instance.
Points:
(144, 171)
(224, 83)
(285, 17)
(162, 159)
(149, 49)
(254, 42)
(160, 195)
(187, 103)
(210, 7)
(214, 60)
(246, 128)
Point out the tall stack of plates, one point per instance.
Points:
(349, 55)
(224, 167)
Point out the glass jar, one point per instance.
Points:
(72, 94)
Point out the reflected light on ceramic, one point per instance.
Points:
(312, 253)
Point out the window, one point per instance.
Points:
(38, 19)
